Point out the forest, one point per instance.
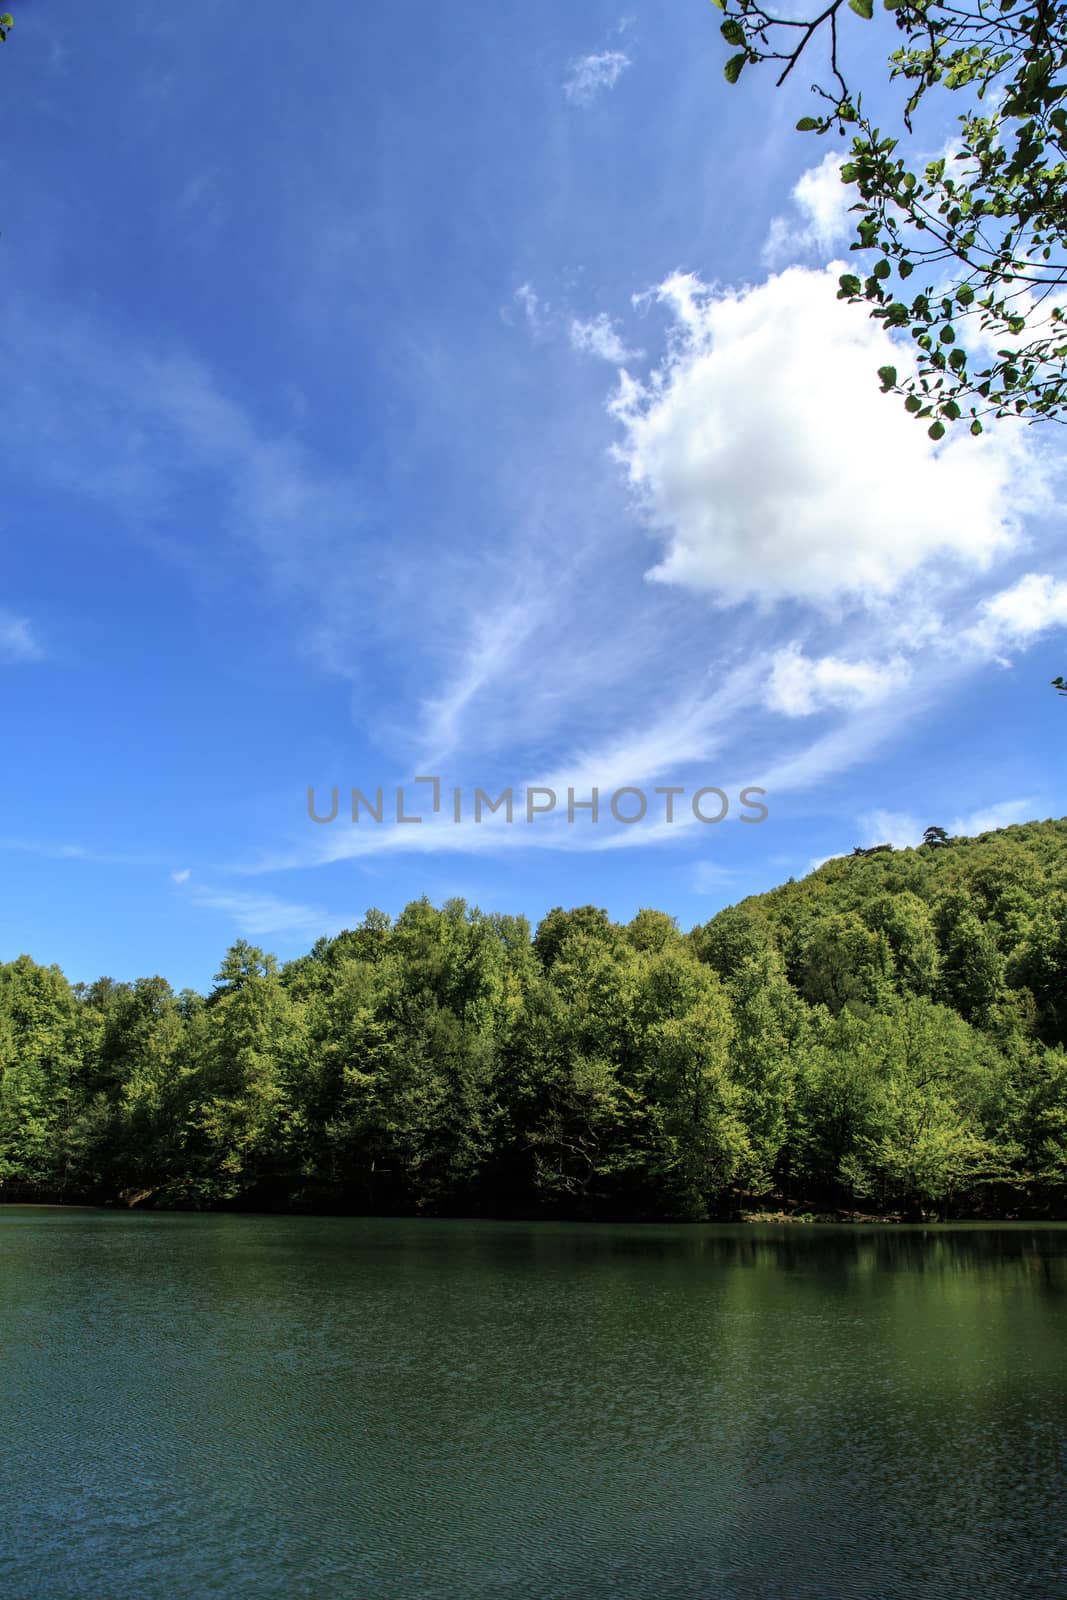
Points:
(884, 1037)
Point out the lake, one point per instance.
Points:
(246, 1406)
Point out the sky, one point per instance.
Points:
(462, 392)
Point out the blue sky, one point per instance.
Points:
(461, 390)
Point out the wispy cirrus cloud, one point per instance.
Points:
(155, 424)
(559, 659)
(64, 850)
(17, 641)
(589, 76)
(257, 915)
(600, 337)
(534, 311)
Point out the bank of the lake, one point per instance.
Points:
(223, 1405)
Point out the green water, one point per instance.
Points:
(200, 1406)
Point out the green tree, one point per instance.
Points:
(126, 1132)
(838, 961)
(906, 921)
(983, 225)
(835, 1095)
(770, 1025)
(702, 1143)
(46, 1041)
(1038, 1125)
(653, 930)
(923, 1140)
(972, 977)
(235, 1122)
(734, 936)
(1039, 964)
(583, 1112)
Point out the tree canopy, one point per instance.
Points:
(885, 1036)
(980, 226)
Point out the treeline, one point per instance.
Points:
(886, 1035)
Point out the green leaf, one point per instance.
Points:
(732, 31)
(912, 403)
(936, 430)
(862, 8)
(976, 427)
(882, 268)
(808, 124)
(848, 284)
(888, 376)
(732, 69)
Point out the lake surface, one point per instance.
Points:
(198, 1406)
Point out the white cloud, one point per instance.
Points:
(58, 850)
(709, 877)
(686, 731)
(1015, 617)
(600, 338)
(822, 202)
(904, 831)
(490, 655)
(16, 639)
(999, 815)
(534, 311)
(852, 740)
(898, 828)
(765, 457)
(591, 74)
(149, 426)
(256, 915)
(819, 861)
(799, 686)
(200, 205)
(181, 877)
(528, 300)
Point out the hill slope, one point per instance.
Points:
(885, 1036)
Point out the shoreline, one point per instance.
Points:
(748, 1218)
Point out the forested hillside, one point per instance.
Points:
(885, 1036)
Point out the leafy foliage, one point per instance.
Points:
(887, 1034)
(983, 224)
